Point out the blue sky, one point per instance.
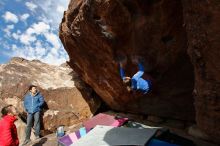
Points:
(29, 29)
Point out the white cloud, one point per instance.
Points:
(56, 8)
(18, 32)
(40, 50)
(15, 36)
(38, 44)
(45, 54)
(30, 31)
(54, 52)
(8, 29)
(14, 47)
(60, 9)
(31, 6)
(40, 39)
(24, 17)
(10, 17)
(50, 58)
(27, 38)
(10, 26)
(53, 39)
(38, 28)
(8, 33)
(43, 18)
(5, 45)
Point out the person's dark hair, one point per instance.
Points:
(6, 110)
(31, 86)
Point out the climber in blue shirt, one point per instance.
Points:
(136, 82)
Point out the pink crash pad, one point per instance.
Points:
(105, 120)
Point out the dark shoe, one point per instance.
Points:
(26, 142)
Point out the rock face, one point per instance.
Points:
(202, 21)
(171, 36)
(95, 33)
(65, 104)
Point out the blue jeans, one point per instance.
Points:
(30, 118)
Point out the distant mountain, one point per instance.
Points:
(68, 99)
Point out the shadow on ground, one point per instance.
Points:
(41, 142)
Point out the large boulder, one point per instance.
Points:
(178, 41)
(2, 104)
(97, 33)
(202, 20)
(68, 99)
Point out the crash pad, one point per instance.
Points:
(67, 140)
(109, 135)
(105, 120)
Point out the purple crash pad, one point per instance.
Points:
(69, 139)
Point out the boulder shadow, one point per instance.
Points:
(41, 142)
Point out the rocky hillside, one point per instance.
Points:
(68, 100)
(179, 41)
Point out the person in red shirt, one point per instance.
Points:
(8, 131)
